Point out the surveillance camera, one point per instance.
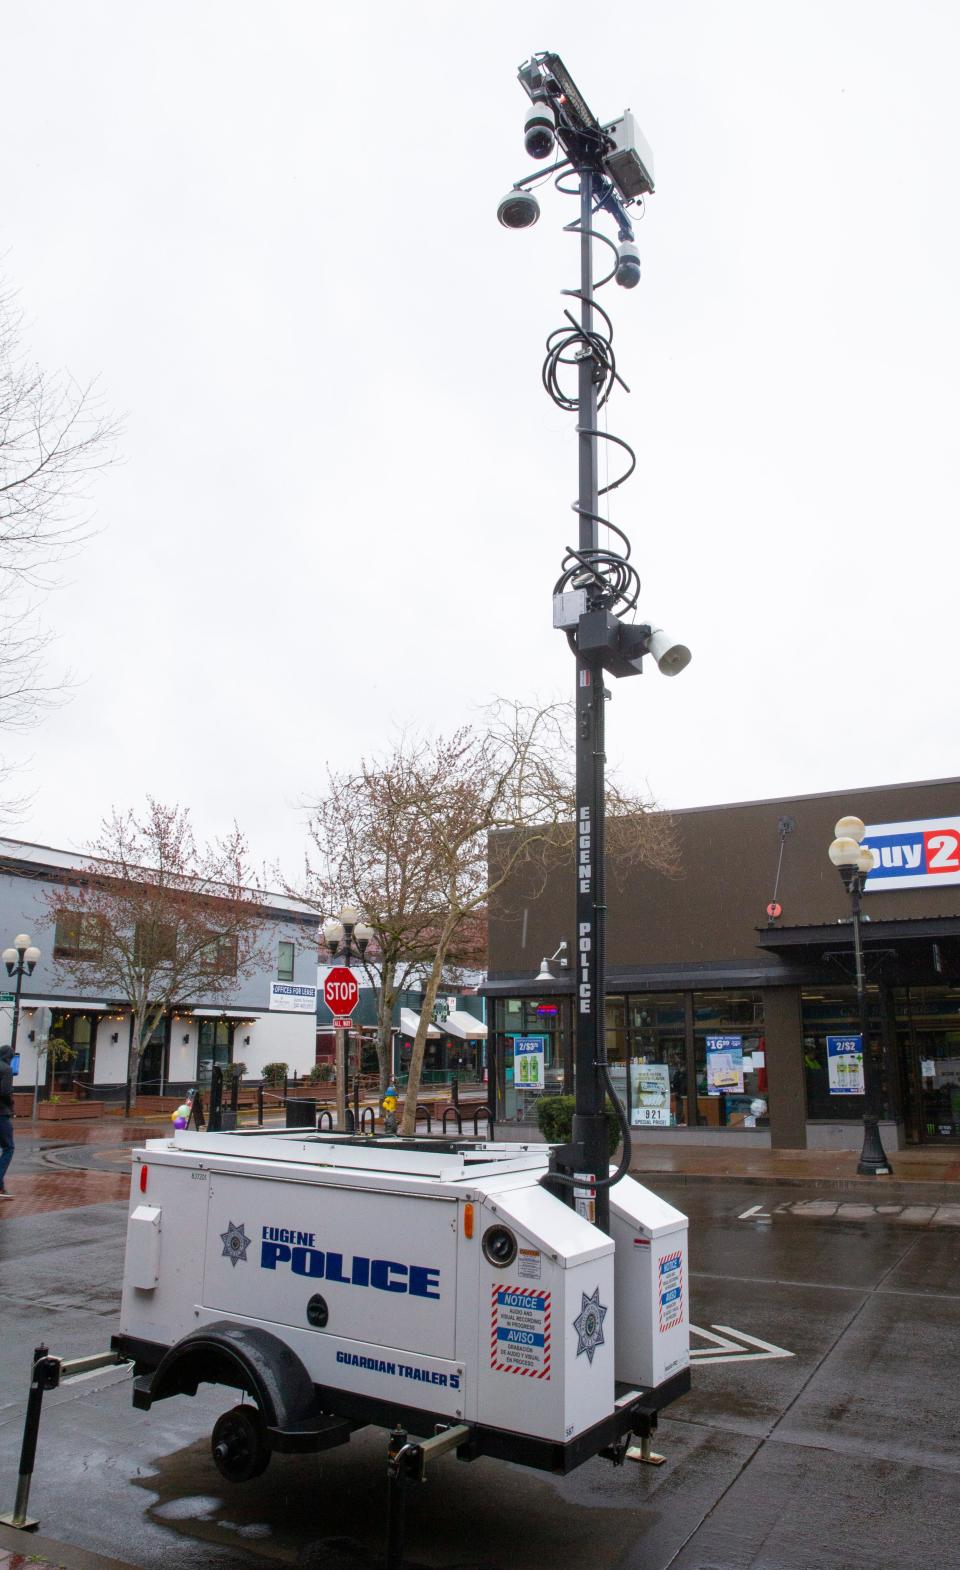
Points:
(628, 265)
(671, 657)
(539, 127)
(518, 210)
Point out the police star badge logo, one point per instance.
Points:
(589, 1324)
(235, 1243)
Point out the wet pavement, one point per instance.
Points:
(837, 1447)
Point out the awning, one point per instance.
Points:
(74, 1005)
(459, 1023)
(222, 1013)
(410, 1024)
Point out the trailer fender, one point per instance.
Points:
(241, 1356)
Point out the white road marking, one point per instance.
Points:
(755, 1213)
(734, 1346)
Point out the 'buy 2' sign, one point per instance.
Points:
(918, 855)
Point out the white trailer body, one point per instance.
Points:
(418, 1282)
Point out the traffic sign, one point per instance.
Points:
(6, 997)
(340, 991)
(343, 1022)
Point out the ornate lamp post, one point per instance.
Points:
(346, 938)
(21, 960)
(854, 863)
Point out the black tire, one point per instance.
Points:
(239, 1444)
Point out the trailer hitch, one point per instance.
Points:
(407, 1464)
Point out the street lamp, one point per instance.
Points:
(21, 960)
(854, 862)
(346, 938)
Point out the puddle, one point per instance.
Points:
(329, 1512)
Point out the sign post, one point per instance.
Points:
(340, 993)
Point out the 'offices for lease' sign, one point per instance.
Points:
(918, 855)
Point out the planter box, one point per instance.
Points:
(70, 1111)
(22, 1103)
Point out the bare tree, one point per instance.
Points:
(158, 921)
(53, 437)
(423, 838)
(369, 849)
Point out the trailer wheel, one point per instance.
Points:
(239, 1443)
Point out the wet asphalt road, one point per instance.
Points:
(844, 1454)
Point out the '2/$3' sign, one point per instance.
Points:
(918, 855)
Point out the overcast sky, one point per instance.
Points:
(270, 232)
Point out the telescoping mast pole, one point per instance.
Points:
(598, 588)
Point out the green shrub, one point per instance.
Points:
(274, 1074)
(321, 1074)
(555, 1120)
(234, 1071)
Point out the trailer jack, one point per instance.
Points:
(406, 1465)
(46, 1373)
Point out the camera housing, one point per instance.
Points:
(539, 129)
(518, 209)
(628, 265)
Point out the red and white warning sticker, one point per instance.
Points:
(520, 1331)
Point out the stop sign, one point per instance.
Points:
(340, 991)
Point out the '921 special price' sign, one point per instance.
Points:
(918, 855)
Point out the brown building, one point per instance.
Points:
(727, 1024)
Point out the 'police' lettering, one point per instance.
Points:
(304, 1259)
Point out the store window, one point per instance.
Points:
(731, 1060)
(531, 1042)
(214, 1047)
(285, 958)
(928, 1049)
(153, 1062)
(78, 1032)
(655, 1043)
(833, 1074)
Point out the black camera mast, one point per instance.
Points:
(596, 595)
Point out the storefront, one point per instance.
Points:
(728, 1024)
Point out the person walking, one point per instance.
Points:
(6, 1117)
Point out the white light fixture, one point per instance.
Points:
(332, 932)
(21, 941)
(849, 829)
(845, 852)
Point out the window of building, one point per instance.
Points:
(731, 1060)
(220, 956)
(830, 1013)
(542, 1021)
(654, 1057)
(214, 1047)
(77, 935)
(155, 942)
(285, 958)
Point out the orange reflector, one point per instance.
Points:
(143, 1178)
(468, 1220)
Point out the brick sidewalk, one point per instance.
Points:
(29, 1551)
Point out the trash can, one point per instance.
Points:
(301, 1112)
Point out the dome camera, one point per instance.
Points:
(539, 129)
(628, 265)
(518, 210)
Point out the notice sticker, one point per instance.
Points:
(529, 1262)
(520, 1331)
(671, 1290)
